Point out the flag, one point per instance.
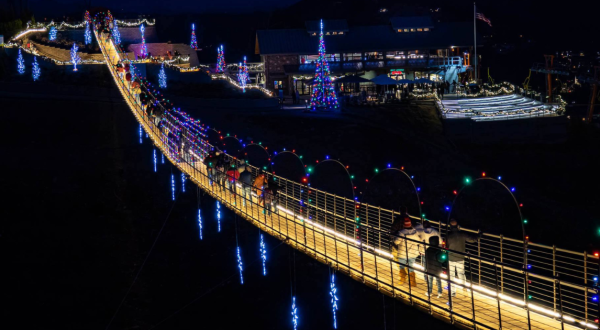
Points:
(483, 18)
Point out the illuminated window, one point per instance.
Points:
(327, 33)
(405, 30)
(341, 32)
(420, 30)
(426, 29)
(412, 30)
(335, 33)
(278, 84)
(399, 30)
(314, 33)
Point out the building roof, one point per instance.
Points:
(365, 38)
(411, 22)
(328, 26)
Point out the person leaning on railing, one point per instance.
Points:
(456, 241)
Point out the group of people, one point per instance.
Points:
(228, 173)
(421, 241)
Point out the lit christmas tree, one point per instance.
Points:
(36, 71)
(162, 77)
(144, 50)
(193, 43)
(323, 95)
(52, 33)
(88, 34)
(116, 34)
(243, 74)
(20, 63)
(220, 59)
(74, 57)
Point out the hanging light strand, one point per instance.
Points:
(334, 299)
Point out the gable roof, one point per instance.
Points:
(365, 38)
(411, 22)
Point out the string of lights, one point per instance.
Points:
(172, 186)
(199, 221)
(88, 34)
(218, 217)
(74, 57)
(154, 160)
(334, 300)
(182, 182)
(294, 314)
(20, 63)
(193, 42)
(323, 94)
(220, 59)
(162, 77)
(263, 253)
(35, 71)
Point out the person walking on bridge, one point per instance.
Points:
(456, 242)
(259, 183)
(246, 181)
(398, 223)
(407, 250)
(435, 261)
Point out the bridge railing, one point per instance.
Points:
(511, 268)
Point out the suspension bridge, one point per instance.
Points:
(511, 283)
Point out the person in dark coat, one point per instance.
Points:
(246, 181)
(435, 261)
(457, 241)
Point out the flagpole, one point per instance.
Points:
(475, 37)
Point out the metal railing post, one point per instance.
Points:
(501, 261)
(526, 280)
(471, 282)
(497, 300)
(479, 253)
(562, 320)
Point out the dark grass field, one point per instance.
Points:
(82, 207)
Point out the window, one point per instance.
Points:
(335, 33)
(314, 34)
(399, 30)
(278, 84)
(341, 32)
(412, 30)
(352, 56)
(327, 33)
(405, 30)
(420, 30)
(426, 29)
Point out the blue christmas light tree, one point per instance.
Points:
(144, 50)
(52, 33)
(323, 95)
(220, 59)
(243, 74)
(20, 63)
(162, 77)
(116, 34)
(36, 71)
(74, 57)
(194, 43)
(88, 34)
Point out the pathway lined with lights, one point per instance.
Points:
(479, 308)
